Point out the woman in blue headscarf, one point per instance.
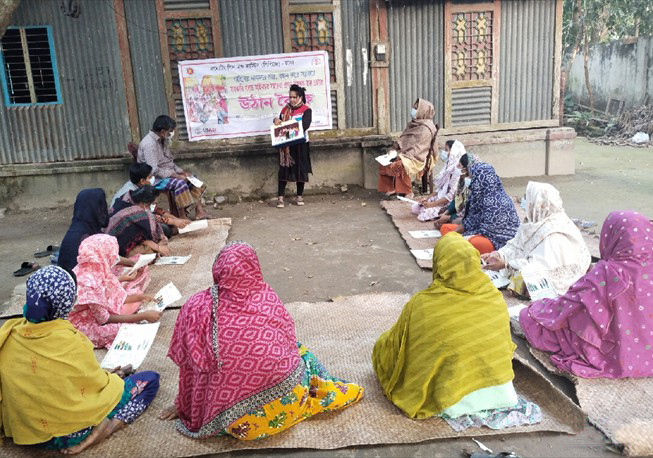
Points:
(490, 218)
(53, 392)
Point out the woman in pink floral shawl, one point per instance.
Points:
(603, 325)
(102, 302)
(241, 370)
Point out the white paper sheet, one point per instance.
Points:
(405, 199)
(425, 234)
(386, 159)
(194, 226)
(195, 181)
(538, 283)
(167, 296)
(144, 260)
(515, 309)
(130, 345)
(172, 260)
(498, 278)
(423, 255)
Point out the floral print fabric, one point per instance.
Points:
(317, 392)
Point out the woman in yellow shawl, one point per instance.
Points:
(53, 392)
(450, 351)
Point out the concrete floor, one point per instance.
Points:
(345, 244)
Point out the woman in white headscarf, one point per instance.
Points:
(547, 240)
(446, 183)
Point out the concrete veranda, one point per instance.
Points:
(344, 244)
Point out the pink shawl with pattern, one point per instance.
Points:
(235, 346)
(603, 325)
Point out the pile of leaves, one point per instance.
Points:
(621, 131)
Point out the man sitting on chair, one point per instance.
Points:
(154, 150)
(140, 174)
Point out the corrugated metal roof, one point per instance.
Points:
(91, 121)
(416, 62)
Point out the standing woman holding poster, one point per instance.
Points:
(295, 160)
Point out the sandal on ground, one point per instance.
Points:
(48, 251)
(26, 268)
(300, 201)
(280, 203)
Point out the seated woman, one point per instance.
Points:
(413, 148)
(90, 216)
(241, 370)
(547, 240)
(490, 218)
(602, 327)
(455, 211)
(102, 302)
(446, 183)
(135, 226)
(63, 400)
(450, 351)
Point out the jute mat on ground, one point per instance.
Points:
(343, 340)
(193, 276)
(405, 221)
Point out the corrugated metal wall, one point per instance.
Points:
(526, 60)
(356, 37)
(416, 60)
(251, 27)
(471, 106)
(147, 66)
(92, 121)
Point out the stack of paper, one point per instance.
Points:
(167, 296)
(194, 226)
(538, 283)
(425, 234)
(406, 199)
(386, 159)
(130, 345)
(499, 279)
(423, 255)
(195, 181)
(172, 260)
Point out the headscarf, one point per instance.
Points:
(448, 178)
(90, 216)
(415, 141)
(132, 225)
(234, 344)
(602, 326)
(97, 283)
(462, 192)
(545, 216)
(490, 211)
(50, 295)
(451, 339)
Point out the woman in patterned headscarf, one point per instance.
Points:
(241, 370)
(62, 400)
(103, 303)
(603, 327)
(490, 218)
(548, 240)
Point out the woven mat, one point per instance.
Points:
(406, 221)
(343, 341)
(189, 278)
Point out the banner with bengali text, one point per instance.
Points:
(239, 96)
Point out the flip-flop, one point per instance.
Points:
(26, 268)
(48, 251)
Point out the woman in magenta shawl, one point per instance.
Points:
(241, 370)
(603, 325)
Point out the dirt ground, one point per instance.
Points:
(343, 244)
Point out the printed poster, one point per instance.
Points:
(240, 96)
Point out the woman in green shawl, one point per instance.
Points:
(450, 351)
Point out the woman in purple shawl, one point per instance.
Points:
(603, 325)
